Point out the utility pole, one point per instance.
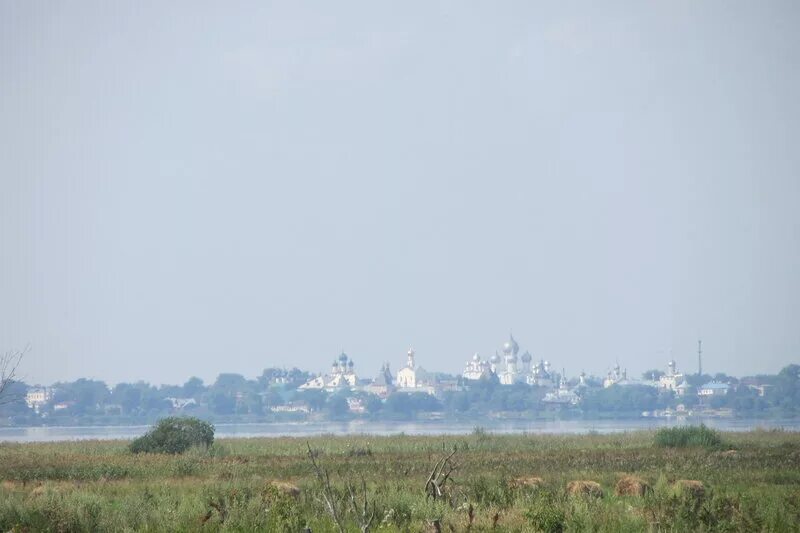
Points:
(700, 357)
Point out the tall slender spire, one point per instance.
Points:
(700, 357)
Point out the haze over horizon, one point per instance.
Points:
(196, 188)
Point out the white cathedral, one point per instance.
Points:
(414, 378)
(510, 368)
(341, 376)
(476, 368)
(407, 376)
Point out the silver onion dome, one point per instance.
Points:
(510, 347)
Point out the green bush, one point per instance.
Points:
(547, 513)
(174, 435)
(687, 436)
(283, 512)
(547, 519)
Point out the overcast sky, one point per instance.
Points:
(189, 188)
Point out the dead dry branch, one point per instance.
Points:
(328, 497)
(441, 473)
(9, 363)
(362, 510)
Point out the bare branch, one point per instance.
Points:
(9, 363)
(362, 509)
(361, 512)
(440, 474)
(328, 496)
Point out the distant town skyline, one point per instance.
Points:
(373, 365)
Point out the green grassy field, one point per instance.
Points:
(100, 486)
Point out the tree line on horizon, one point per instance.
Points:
(233, 396)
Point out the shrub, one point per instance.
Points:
(547, 512)
(686, 436)
(174, 435)
(283, 512)
(547, 517)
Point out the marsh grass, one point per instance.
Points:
(100, 486)
(686, 436)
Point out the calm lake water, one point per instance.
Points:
(432, 427)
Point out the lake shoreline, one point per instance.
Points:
(416, 427)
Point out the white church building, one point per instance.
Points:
(342, 376)
(414, 378)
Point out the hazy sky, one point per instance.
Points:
(189, 188)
